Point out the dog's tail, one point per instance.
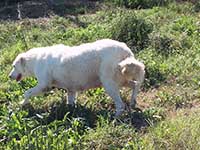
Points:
(132, 69)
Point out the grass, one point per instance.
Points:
(167, 112)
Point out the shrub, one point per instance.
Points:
(140, 3)
(132, 30)
(166, 45)
(197, 6)
(163, 44)
(155, 75)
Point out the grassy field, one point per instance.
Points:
(165, 37)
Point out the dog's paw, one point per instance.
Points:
(133, 104)
(119, 112)
(24, 103)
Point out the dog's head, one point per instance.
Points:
(18, 71)
(132, 69)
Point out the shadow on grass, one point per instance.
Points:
(135, 118)
(57, 111)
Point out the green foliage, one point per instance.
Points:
(81, 35)
(132, 30)
(21, 131)
(187, 25)
(156, 71)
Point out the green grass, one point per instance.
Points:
(167, 112)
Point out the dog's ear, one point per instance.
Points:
(22, 60)
(124, 70)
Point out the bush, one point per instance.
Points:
(166, 45)
(163, 44)
(132, 30)
(140, 3)
(155, 75)
(197, 6)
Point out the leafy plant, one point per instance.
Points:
(132, 30)
(186, 25)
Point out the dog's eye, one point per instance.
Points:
(13, 66)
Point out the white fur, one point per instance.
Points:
(106, 63)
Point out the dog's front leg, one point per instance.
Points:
(37, 90)
(71, 97)
(135, 90)
(113, 91)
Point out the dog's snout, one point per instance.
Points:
(10, 76)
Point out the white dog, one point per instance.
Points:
(106, 63)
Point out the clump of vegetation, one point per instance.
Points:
(140, 3)
(197, 6)
(165, 45)
(186, 25)
(132, 30)
(156, 73)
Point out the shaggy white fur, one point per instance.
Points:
(106, 63)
